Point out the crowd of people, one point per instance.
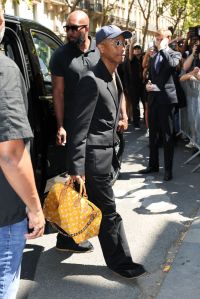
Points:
(90, 104)
(134, 72)
(153, 78)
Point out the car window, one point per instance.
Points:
(44, 46)
(11, 46)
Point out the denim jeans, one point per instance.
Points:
(12, 243)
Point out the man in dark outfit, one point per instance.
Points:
(19, 197)
(67, 65)
(161, 103)
(91, 145)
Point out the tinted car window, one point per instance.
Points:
(12, 47)
(44, 46)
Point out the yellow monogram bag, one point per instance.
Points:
(71, 212)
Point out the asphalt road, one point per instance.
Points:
(156, 216)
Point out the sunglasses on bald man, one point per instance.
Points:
(74, 28)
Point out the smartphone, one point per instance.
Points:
(151, 46)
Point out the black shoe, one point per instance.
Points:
(136, 271)
(65, 243)
(149, 170)
(167, 176)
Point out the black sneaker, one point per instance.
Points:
(135, 271)
(148, 169)
(65, 243)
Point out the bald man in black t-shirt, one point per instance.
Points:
(67, 65)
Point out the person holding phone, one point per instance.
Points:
(161, 103)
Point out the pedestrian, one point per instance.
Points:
(136, 84)
(150, 52)
(91, 145)
(123, 71)
(19, 198)
(161, 103)
(67, 65)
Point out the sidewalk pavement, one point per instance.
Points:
(155, 214)
(183, 280)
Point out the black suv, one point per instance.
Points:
(31, 45)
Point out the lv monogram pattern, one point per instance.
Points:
(71, 212)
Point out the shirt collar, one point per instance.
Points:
(92, 44)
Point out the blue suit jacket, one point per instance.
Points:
(164, 78)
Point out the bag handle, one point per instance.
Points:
(82, 189)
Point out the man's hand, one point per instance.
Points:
(163, 44)
(149, 86)
(122, 125)
(37, 223)
(78, 178)
(195, 74)
(61, 136)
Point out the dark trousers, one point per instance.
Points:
(136, 96)
(161, 122)
(112, 235)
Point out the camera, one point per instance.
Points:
(194, 31)
(198, 49)
(173, 45)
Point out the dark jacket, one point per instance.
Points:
(164, 78)
(95, 115)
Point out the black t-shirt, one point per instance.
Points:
(71, 63)
(13, 125)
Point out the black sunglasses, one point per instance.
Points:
(119, 43)
(74, 27)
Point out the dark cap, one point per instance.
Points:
(138, 47)
(111, 31)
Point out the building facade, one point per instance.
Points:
(53, 13)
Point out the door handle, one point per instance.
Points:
(46, 98)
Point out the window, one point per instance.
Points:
(44, 46)
(12, 47)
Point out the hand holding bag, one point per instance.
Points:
(71, 212)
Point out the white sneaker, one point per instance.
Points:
(147, 133)
(190, 145)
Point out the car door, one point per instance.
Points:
(31, 45)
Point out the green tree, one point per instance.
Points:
(146, 7)
(183, 13)
(72, 4)
(159, 10)
(129, 12)
(108, 7)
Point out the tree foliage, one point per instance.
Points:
(183, 13)
(108, 7)
(72, 4)
(129, 12)
(146, 7)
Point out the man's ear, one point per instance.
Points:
(101, 48)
